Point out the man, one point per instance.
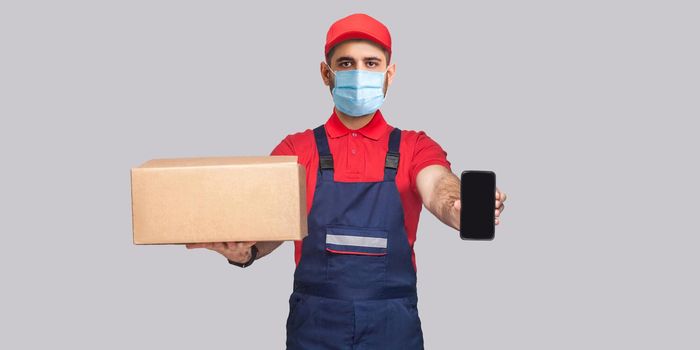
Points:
(355, 279)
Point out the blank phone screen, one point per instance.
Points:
(478, 197)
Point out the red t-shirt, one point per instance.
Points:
(359, 155)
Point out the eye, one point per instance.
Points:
(346, 64)
(372, 64)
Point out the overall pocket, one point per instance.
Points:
(356, 256)
(297, 302)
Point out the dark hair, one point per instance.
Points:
(387, 55)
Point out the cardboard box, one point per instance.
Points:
(218, 199)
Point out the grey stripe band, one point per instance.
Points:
(372, 242)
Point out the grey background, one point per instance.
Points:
(586, 110)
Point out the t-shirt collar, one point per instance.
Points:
(374, 129)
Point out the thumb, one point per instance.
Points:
(248, 244)
(458, 204)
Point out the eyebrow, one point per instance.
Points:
(348, 58)
(344, 58)
(373, 58)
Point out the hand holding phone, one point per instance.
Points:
(478, 198)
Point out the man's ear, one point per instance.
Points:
(390, 74)
(325, 74)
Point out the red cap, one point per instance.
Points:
(358, 26)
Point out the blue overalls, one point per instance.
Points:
(355, 284)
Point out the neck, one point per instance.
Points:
(354, 123)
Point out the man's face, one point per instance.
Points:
(357, 54)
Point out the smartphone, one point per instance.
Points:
(478, 197)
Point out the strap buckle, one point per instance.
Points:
(392, 160)
(326, 162)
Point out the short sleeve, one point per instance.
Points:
(284, 148)
(426, 152)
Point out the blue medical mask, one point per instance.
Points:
(358, 92)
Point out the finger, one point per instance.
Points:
(497, 221)
(498, 203)
(232, 245)
(195, 245)
(248, 244)
(239, 245)
(503, 196)
(220, 247)
(458, 204)
(498, 194)
(217, 247)
(499, 210)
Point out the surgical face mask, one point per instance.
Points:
(358, 92)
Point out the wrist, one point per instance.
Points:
(251, 256)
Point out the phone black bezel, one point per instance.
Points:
(461, 194)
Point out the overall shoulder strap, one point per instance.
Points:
(324, 153)
(391, 164)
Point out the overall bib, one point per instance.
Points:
(355, 284)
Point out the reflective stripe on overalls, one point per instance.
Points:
(355, 284)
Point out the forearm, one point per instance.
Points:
(443, 197)
(266, 247)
